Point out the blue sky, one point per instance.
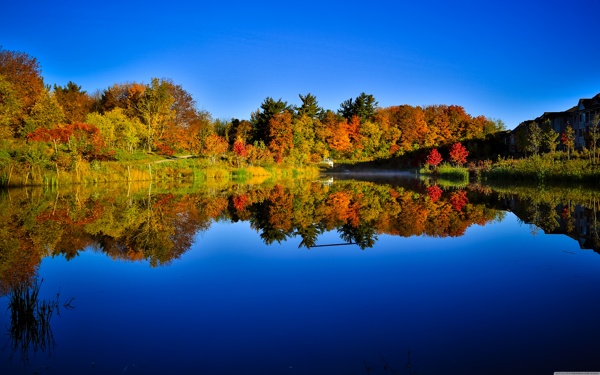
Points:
(510, 60)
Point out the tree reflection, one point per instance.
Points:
(158, 224)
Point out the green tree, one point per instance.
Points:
(222, 127)
(310, 107)
(126, 96)
(46, 113)
(535, 138)
(594, 135)
(549, 137)
(364, 106)
(10, 108)
(303, 138)
(240, 129)
(117, 129)
(260, 119)
(370, 136)
(155, 108)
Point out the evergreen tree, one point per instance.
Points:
(309, 107)
(260, 119)
(363, 106)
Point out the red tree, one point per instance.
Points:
(240, 148)
(458, 154)
(434, 158)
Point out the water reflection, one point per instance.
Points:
(571, 212)
(476, 298)
(30, 329)
(159, 224)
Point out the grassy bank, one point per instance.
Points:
(190, 169)
(542, 169)
(447, 172)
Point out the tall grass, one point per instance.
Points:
(448, 172)
(546, 168)
(195, 170)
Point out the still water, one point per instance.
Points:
(310, 278)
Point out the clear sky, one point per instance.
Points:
(510, 60)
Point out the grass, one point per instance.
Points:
(448, 172)
(150, 169)
(546, 168)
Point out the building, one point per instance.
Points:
(579, 117)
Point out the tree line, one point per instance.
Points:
(62, 126)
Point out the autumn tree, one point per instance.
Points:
(370, 138)
(75, 102)
(303, 141)
(458, 120)
(215, 145)
(189, 126)
(118, 130)
(240, 129)
(10, 108)
(434, 158)
(280, 135)
(240, 151)
(55, 136)
(438, 125)
(46, 113)
(410, 121)
(458, 154)
(222, 127)
(493, 126)
(23, 72)
(155, 108)
(390, 134)
(260, 119)
(338, 137)
(354, 126)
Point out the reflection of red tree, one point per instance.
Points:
(434, 192)
(239, 202)
(458, 200)
(65, 216)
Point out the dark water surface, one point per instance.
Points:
(467, 289)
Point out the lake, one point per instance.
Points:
(335, 276)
